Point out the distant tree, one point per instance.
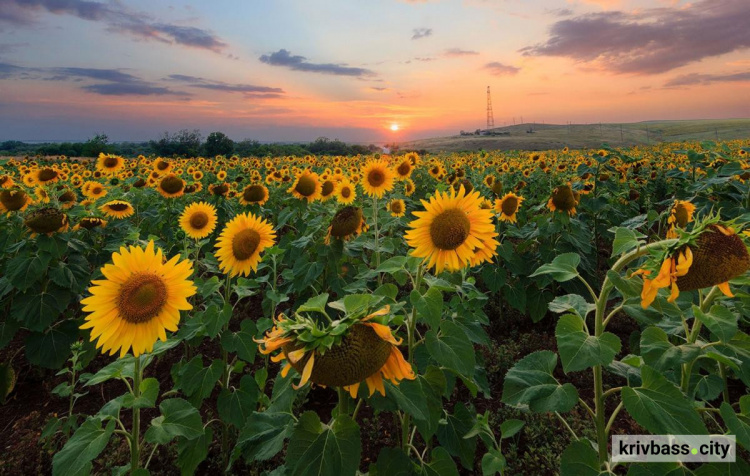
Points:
(182, 143)
(218, 143)
(96, 145)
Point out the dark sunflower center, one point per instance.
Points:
(327, 188)
(346, 192)
(376, 178)
(46, 220)
(68, 197)
(141, 297)
(111, 162)
(497, 188)
(681, 214)
(96, 190)
(305, 186)
(47, 174)
(245, 243)
(509, 205)
(13, 200)
(162, 165)
(118, 207)
(172, 184)
(221, 189)
(346, 222)
(396, 207)
(563, 198)
(717, 258)
(198, 220)
(450, 229)
(254, 193)
(89, 223)
(404, 168)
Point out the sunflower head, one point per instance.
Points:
(345, 192)
(171, 186)
(404, 169)
(254, 194)
(719, 255)
(327, 190)
(452, 230)
(564, 199)
(140, 298)
(241, 242)
(110, 164)
(346, 224)
(397, 208)
(46, 221)
(198, 220)
(117, 209)
(508, 206)
(46, 175)
(306, 186)
(681, 213)
(377, 178)
(89, 223)
(357, 347)
(14, 200)
(219, 189)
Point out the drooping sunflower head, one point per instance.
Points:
(219, 189)
(117, 209)
(14, 200)
(198, 220)
(241, 242)
(719, 255)
(563, 199)
(345, 192)
(508, 206)
(109, 164)
(171, 186)
(46, 221)
(397, 207)
(346, 224)
(377, 178)
(362, 350)
(409, 187)
(255, 194)
(306, 186)
(452, 230)
(139, 299)
(327, 190)
(89, 223)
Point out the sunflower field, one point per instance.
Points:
(477, 313)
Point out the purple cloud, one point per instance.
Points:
(299, 63)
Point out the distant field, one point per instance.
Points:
(576, 136)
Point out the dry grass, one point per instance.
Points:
(578, 136)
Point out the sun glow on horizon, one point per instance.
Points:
(394, 127)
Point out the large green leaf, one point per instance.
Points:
(242, 342)
(563, 268)
(625, 240)
(493, 462)
(571, 302)
(51, 349)
(660, 407)
(178, 418)
(149, 393)
(661, 354)
(530, 382)
(451, 435)
(429, 306)
(198, 381)
(316, 449)
(38, 310)
(190, 453)
(237, 404)
(263, 435)
(580, 459)
(24, 271)
(87, 443)
(720, 321)
(579, 350)
(393, 462)
(739, 425)
(452, 348)
(441, 464)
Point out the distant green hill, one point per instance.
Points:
(577, 136)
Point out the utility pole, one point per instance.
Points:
(490, 115)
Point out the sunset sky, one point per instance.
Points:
(350, 69)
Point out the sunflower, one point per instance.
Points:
(717, 256)
(14, 200)
(109, 164)
(404, 169)
(140, 298)
(254, 195)
(198, 220)
(345, 192)
(397, 207)
(171, 186)
(241, 242)
(117, 209)
(377, 178)
(409, 187)
(327, 190)
(346, 224)
(218, 189)
(89, 223)
(564, 199)
(47, 221)
(679, 217)
(508, 206)
(306, 186)
(368, 352)
(6, 181)
(453, 231)
(46, 176)
(93, 190)
(162, 166)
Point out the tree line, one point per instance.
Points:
(185, 143)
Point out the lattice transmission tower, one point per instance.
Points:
(490, 116)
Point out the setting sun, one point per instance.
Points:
(394, 127)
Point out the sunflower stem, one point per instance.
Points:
(343, 401)
(375, 211)
(136, 432)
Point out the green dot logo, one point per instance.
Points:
(695, 451)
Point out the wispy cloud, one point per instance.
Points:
(650, 41)
(108, 82)
(117, 17)
(285, 59)
(703, 79)
(419, 33)
(458, 52)
(500, 69)
(249, 90)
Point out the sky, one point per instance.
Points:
(295, 70)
